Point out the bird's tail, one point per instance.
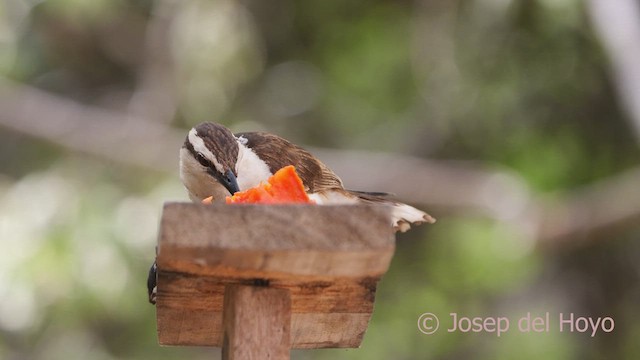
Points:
(402, 215)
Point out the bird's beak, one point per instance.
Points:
(228, 180)
(231, 182)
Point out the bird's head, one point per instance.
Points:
(207, 162)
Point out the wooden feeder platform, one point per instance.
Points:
(258, 280)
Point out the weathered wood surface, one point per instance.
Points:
(329, 258)
(250, 313)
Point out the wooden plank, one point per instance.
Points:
(256, 323)
(276, 263)
(276, 227)
(328, 261)
(326, 313)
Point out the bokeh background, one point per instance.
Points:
(515, 123)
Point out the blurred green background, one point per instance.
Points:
(515, 123)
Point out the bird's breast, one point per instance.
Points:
(250, 168)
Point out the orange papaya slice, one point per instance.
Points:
(283, 187)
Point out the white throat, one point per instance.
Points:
(250, 168)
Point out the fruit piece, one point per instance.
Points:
(208, 201)
(283, 187)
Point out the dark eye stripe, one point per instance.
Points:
(201, 159)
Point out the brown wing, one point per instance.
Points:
(278, 153)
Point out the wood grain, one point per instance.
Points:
(328, 258)
(256, 323)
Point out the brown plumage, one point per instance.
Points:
(215, 162)
(278, 153)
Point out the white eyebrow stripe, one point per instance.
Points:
(199, 146)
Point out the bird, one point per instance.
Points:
(216, 163)
(152, 280)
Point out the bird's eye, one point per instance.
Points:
(202, 160)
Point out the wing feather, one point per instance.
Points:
(278, 153)
(324, 186)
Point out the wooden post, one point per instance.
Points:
(256, 322)
(258, 279)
